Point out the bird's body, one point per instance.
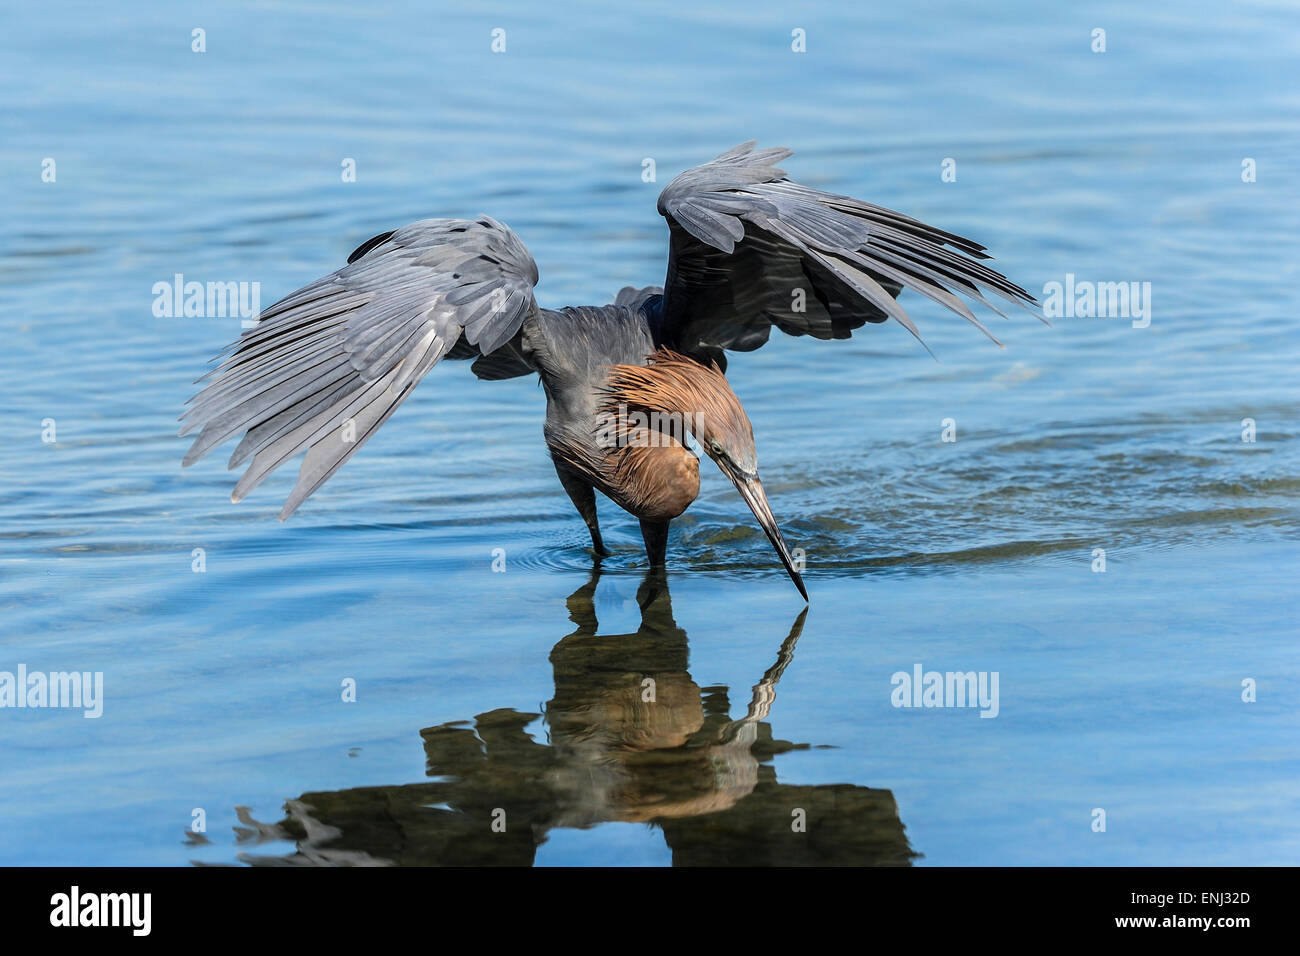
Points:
(626, 383)
(648, 472)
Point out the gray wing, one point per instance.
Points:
(750, 249)
(326, 366)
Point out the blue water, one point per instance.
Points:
(1120, 691)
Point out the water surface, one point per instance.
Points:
(522, 691)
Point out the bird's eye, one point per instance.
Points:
(716, 447)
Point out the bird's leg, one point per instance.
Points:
(653, 593)
(582, 604)
(583, 497)
(656, 541)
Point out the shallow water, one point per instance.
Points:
(523, 691)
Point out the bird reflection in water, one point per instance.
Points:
(631, 738)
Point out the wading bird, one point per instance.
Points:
(749, 249)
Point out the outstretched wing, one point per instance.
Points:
(750, 249)
(327, 365)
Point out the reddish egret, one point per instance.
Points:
(626, 384)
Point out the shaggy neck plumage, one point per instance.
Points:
(672, 393)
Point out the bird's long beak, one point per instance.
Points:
(751, 489)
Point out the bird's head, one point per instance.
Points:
(676, 385)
